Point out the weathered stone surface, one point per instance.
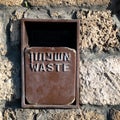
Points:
(77, 114)
(100, 79)
(15, 25)
(11, 2)
(98, 31)
(58, 13)
(115, 114)
(56, 115)
(6, 82)
(1, 116)
(18, 13)
(36, 14)
(94, 2)
(98, 71)
(9, 61)
(65, 13)
(67, 2)
(19, 114)
(53, 2)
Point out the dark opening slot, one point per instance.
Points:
(52, 34)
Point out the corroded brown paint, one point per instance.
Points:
(50, 87)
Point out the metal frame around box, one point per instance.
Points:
(24, 44)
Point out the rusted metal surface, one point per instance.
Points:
(50, 63)
(50, 76)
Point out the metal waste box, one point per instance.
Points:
(50, 63)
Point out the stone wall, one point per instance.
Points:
(99, 48)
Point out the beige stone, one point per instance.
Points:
(94, 2)
(11, 2)
(98, 31)
(67, 2)
(92, 115)
(54, 114)
(100, 79)
(6, 84)
(78, 114)
(6, 81)
(18, 114)
(1, 116)
(99, 74)
(115, 114)
(9, 115)
(51, 2)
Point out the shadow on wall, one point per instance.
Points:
(115, 9)
(115, 6)
(13, 54)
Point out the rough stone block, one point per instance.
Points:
(67, 2)
(100, 79)
(78, 114)
(98, 70)
(98, 31)
(36, 14)
(6, 84)
(94, 2)
(11, 2)
(115, 114)
(53, 2)
(18, 114)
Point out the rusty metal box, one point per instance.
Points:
(50, 63)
